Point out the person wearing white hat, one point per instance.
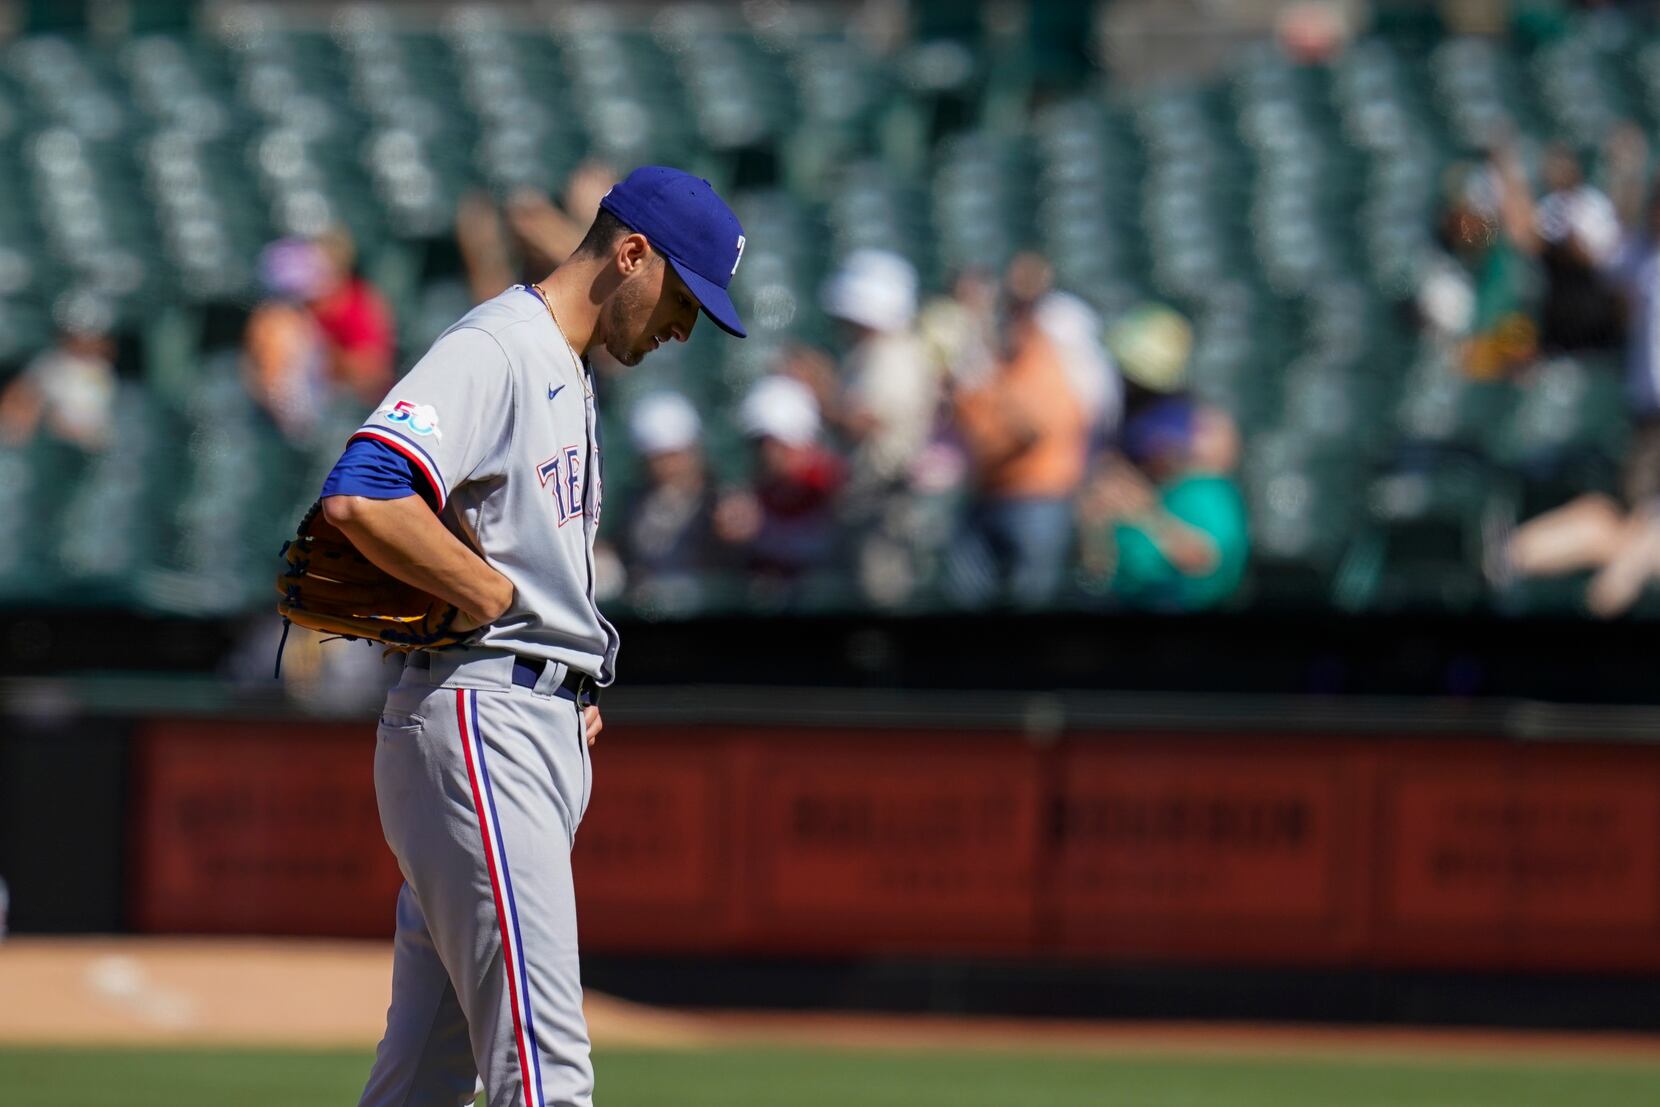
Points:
(892, 387)
(668, 544)
(785, 521)
(664, 423)
(887, 410)
(781, 409)
(70, 388)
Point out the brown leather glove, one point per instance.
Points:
(328, 586)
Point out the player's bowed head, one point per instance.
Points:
(663, 247)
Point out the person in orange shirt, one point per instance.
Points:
(1026, 434)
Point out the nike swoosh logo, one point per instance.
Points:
(552, 391)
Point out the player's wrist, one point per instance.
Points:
(496, 600)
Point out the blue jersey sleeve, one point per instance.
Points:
(373, 469)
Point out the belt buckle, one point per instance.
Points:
(587, 692)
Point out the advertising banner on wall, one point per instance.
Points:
(258, 827)
(1164, 845)
(903, 841)
(656, 861)
(1141, 849)
(1520, 857)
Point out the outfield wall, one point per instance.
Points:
(1177, 848)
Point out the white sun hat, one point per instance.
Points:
(664, 423)
(781, 408)
(873, 288)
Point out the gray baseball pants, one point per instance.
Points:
(481, 785)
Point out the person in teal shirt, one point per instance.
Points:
(1167, 529)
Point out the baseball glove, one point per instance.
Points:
(328, 586)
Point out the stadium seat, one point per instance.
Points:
(1568, 408)
(106, 529)
(1421, 545)
(1443, 407)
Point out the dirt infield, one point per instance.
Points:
(232, 991)
(275, 993)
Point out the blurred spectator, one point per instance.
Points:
(356, 323)
(1150, 347)
(1619, 542)
(1592, 532)
(891, 390)
(285, 357)
(1476, 293)
(1314, 32)
(1026, 434)
(887, 409)
(1168, 531)
(1635, 270)
(322, 331)
(1573, 232)
(1076, 331)
(530, 235)
(70, 387)
(958, 330)
(785, 521)
(668, 542)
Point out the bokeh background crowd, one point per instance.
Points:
(1364, 317)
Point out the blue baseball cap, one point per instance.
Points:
(1165, 427)
(692, 227)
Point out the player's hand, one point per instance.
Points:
(592, 724)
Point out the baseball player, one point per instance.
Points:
(478, 481)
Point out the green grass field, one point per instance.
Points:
(831, 1078)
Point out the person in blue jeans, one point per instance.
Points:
(1023, 544)
(1026, 435)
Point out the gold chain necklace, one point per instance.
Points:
(581, 370)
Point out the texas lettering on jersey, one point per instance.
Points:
(508, 390)
(562, 474)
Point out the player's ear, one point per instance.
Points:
(633, 253)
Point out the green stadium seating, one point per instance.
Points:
(1287, 209)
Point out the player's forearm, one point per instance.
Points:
(407, 540)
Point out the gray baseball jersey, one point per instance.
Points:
(482, 780)
(499, 418)
(482, 770)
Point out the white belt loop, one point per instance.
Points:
(553, 675)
